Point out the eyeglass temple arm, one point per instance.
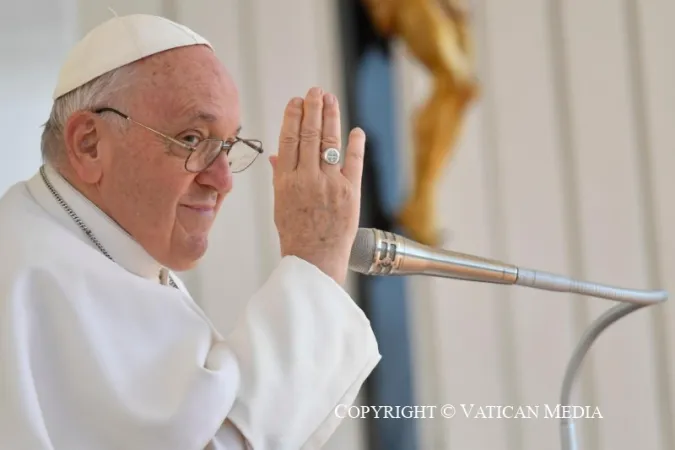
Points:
(175, 141)
(250, 142)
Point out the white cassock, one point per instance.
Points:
(98, 355)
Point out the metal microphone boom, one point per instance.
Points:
(381, 253)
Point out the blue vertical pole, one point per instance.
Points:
(370, 102)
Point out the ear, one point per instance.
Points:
(82, 138)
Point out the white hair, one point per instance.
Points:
(94, 94)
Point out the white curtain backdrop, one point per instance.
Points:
(565, 165)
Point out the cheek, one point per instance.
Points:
(148, 184)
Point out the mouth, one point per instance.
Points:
(201, 209)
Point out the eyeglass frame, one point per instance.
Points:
(225, 146)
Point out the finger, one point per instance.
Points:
(289, 138)
(330, 135)
(353, 167)
(310, 130)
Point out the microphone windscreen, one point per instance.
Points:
(363, 250)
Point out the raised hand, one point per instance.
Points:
(316, 204)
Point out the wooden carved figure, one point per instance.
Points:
(436, 32)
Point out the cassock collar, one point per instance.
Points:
(117, 242)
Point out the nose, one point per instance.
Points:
(218, 175)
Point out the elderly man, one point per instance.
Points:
(102, 346)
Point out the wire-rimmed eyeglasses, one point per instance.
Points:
(202, 155)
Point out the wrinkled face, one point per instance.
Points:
(186, 94)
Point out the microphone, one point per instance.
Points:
(382, 253)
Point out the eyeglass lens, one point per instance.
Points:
(240, 156)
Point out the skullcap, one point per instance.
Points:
(118, 42)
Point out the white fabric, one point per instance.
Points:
(99, 355)
(118, 42)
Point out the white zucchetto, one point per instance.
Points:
(118, 42)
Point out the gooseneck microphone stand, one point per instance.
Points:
(568, 438)
(630, 300)
(378, 253)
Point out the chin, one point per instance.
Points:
(189, 254)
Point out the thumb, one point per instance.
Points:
(353, 166)
(273, 162)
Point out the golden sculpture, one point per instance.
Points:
(436, 33)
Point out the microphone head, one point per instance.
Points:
(363, 251)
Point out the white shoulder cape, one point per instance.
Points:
(95, 356)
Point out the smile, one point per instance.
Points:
(202, 209)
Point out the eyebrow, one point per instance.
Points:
(204, 116)
(236, 133)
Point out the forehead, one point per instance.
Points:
(188, 83)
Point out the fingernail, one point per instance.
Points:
(316, 91)
(296, 101)
(329, 99)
